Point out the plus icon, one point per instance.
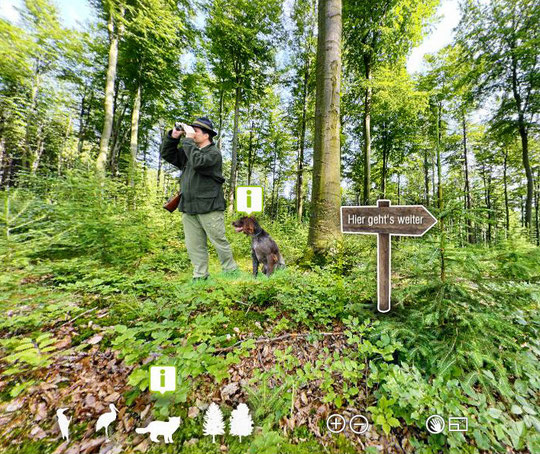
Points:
(336, 423)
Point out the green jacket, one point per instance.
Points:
(202, 180)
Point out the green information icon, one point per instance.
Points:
(162, 379)
(249, 199)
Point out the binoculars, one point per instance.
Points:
(178, 126)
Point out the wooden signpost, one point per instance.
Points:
(385, 221)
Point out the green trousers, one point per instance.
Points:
(199, 227)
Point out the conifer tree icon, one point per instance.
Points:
(241, 422)
(213, 422)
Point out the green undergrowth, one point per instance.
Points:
(465, 346)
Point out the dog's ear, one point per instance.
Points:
(249, 226)
(255, 222)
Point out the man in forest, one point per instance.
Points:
(202, 202)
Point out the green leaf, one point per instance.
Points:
(516, 409)
(494, 412)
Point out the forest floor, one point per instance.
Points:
(80, 333)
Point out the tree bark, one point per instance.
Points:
(367, 130)
(114, 37)
(505, 181)
(301, 146)
(250, 153)
(426, 176)
(486, 177)
(32, 121)
(234, 153)
(467, 188)
(326, 197)
(523, 133)
(62, 151)
(440, 192)
(82, 125)
(220, 131)
(537, 203)
(134, 139)
(384, 161)
(274, 164)
(118, 133)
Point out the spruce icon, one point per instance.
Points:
(241, 422)
(213, 422)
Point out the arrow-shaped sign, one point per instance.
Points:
(385, 220)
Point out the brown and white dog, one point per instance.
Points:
(263, 248)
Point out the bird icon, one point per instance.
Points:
(106, 419)
(63, 423)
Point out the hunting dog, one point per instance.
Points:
(263, 248)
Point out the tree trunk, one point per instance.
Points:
(384, 161)
(486, 177)
(134, 139)
(301, 146)
(62, 151)
(118, 133)
(32, 121)
(505, 181)
(250, 153)
(145, 157)
(426, 176)
(82, 125)
(440, 192)
(220, 131)
(523, 133)
(528, 172)
(160, 161)
(399, 188)
(103, 155)
(537, 202)
(272, 201)
(234, 153)
(367, 130)
(326, 197)
(467, 188)
(40, 148)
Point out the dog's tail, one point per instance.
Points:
(141, 430)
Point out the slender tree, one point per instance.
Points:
(114, 11)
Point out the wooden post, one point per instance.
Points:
(386, 220)
(383, 266)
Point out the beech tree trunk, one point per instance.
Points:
(301, 147)
(326, 198)
(505, 181)
(367, 131)
(114, 37)
(234, 153)
(134, 139)
(467, 188)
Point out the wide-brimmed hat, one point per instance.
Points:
(205, 124)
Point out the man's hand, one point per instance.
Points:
(190, 132)
(175, 133)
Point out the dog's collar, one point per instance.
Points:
(260, 231)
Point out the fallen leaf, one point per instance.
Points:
(37, 433)
(94, 339)
(15, 405)
(142, 446)
(112, 397)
